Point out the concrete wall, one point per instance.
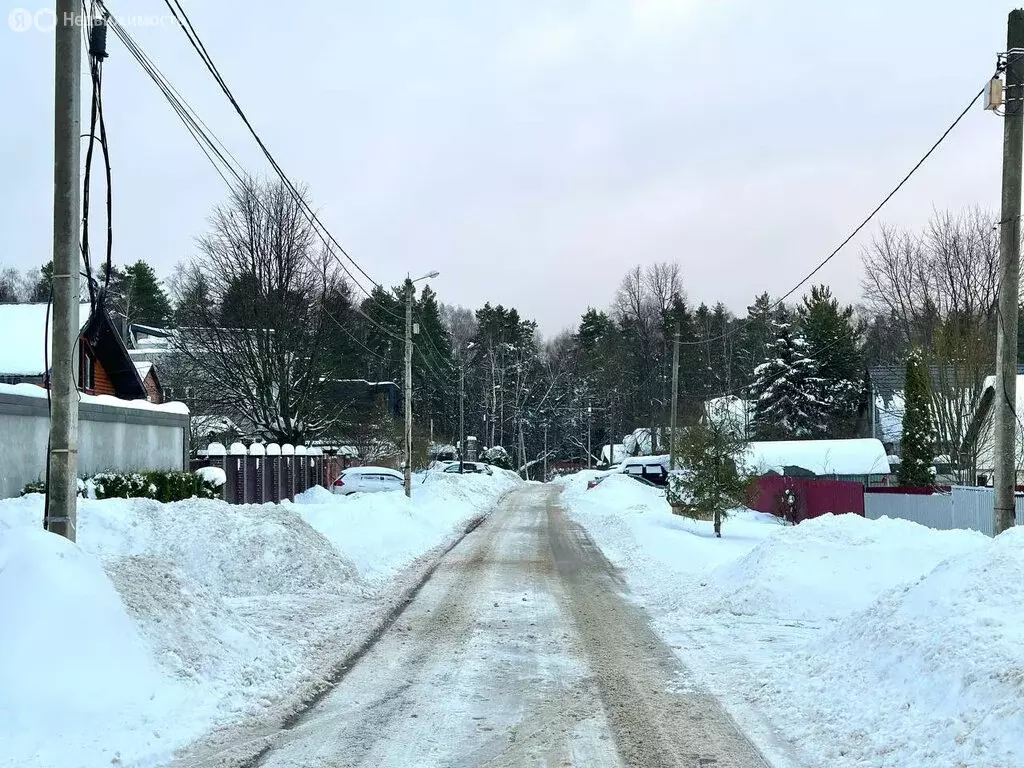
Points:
(110, 437)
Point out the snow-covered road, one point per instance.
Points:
(520, 650)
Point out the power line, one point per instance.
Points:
(860, 226)
(202, 134)
(196, 42)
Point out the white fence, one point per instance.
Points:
(966, 507)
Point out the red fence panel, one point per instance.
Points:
(811, 498)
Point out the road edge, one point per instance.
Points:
(244, 744)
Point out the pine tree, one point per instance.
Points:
(916, 444)
(786, 406)
(712, 481)
(39, 288)
(832, 342)
(142, 296)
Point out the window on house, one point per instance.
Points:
(87, 374)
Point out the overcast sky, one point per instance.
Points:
(533, 151)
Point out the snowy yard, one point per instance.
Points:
(167, 620)
(840, 642)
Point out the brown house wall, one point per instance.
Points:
(152, 388)
(102, 385)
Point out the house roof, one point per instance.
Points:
(890, 379)
(143, 367)
(23, 350)
(864, 456)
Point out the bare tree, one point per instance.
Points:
(255, 313)
(940, 288)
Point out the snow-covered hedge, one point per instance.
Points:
(162, 486)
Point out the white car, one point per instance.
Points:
(368, 480)
(469, 468)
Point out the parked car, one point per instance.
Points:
(367, 480)
(650, 470)
(469, 467)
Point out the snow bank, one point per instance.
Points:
(221, 613)
(826, 568)
(930, 674)
(842, 641)
(73, 666)
(363, 525)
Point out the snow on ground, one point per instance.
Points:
(166, 620)
(839, 642)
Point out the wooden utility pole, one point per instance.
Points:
(62, 476)
(675, 401)
(1005, 416)
(408, 387)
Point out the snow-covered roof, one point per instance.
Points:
(865, 456)
(21, 353)
(143, 367)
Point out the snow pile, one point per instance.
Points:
(621, 493)
(826, 568)
(221, 613)
(842, 641)
(931, 674)
(73, 667)
(215, 476)
(365, 524)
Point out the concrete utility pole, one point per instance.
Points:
(675, 401)
(62, 489)
(589, 456)
(545, 451)
(408, 377)
(408, 387)
(462, 415)
(1005, 416)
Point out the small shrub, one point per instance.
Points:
(39, 486)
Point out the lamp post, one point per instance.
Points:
(408, 376)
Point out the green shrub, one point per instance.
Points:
(39, 486)
(162, 486)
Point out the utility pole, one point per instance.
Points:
(462, 415)
(408, 376)
(1005, 416)
(675, 400)
(62, 480)
(545, 451)
(408, 387)
(589, 456)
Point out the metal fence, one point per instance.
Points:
(269, 473)
(965, 507)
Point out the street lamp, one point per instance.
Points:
(408, 375)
